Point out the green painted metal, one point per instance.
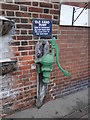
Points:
(39, 71)
(53, 44)
(48, 60)
(66, 73)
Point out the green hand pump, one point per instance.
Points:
(47, 61)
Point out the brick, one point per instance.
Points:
(54, 32)
(25, 48)
(31, 52)
(23, 3)
(42, 4)
(10, 7)
(17, 20)
(55, 17)
(17, 73)
(16, 43)
(24, 76)
(10, 13)
(38, 10)
(32, 42)
(55, 22)
(17, 53)
(24, 53)
(23, 31)
(35, 3)
(23, 8)
(30, 21)
(30, 32)
(24, 37)
(24, 43)
(25, 58)
(23, 20)
(56, 6)
(18, 14)
(46, 10)
(45, 16)
(31, 62)
(33, 78)
(34, 57)
(23, 14)
(23, 26)
(35, 15)
(17, 32)
(54, 27)
(54, 12)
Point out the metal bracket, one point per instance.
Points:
(74, 10)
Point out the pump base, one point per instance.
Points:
(38, 103)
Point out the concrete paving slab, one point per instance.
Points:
(78, 114)
(85, 116)
(58, 108)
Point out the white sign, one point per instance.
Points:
(80, 16)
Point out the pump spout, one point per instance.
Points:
(66, 73)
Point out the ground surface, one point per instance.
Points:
(71, 106)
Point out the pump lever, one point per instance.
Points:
(66, 73)
(55, 46)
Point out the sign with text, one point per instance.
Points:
(42, 27)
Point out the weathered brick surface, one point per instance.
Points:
(35, 15)
(10, 7)
(23, 14)
(56, 6)
(22, 2)
(33, 9)
(48, 5)
(23, 8)
(45, 16)
(35, 3)
(10, 13)
(54, 12)
(23, 26)
(73, 56)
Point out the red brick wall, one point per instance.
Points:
(73, 55)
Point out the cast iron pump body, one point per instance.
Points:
(47, 61)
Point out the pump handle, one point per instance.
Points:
(66, 73)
